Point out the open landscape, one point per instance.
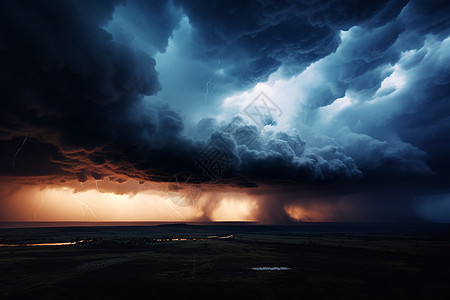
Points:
(224, 260)
(225, 149)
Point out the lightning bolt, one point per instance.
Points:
(207, 84)
(85, 205)
(40, 205)
(79, 202)
(18, 150)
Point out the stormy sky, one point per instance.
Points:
(313, 110)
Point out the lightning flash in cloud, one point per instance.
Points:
(18, 150)
(207, 83)
(85, 205)
(40, 205)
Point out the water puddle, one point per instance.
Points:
(39, 244)
(157, 240)
(270, 268)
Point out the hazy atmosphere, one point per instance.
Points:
(267, 111)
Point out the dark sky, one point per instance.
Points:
(332, 103)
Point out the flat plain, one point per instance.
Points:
(216, 261)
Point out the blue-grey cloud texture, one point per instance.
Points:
(137, 89)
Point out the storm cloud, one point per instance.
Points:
(139, 90)
(74, 91)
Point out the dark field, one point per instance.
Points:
(326, 261)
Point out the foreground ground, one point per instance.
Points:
(345, 261)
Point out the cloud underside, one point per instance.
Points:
(80, 81)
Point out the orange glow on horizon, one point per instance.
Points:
(303, 214)
(106, 201)
(235, 210)
(62, 204)
(89, 202)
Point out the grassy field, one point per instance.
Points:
(215, 262)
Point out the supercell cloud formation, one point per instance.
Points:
(356, 114)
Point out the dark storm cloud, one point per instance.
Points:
(144, 24)
(276, 156)
(222, 47)
(396, 131)
(254, 38)
(75, 92)
(360, 64)
(74, 76)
